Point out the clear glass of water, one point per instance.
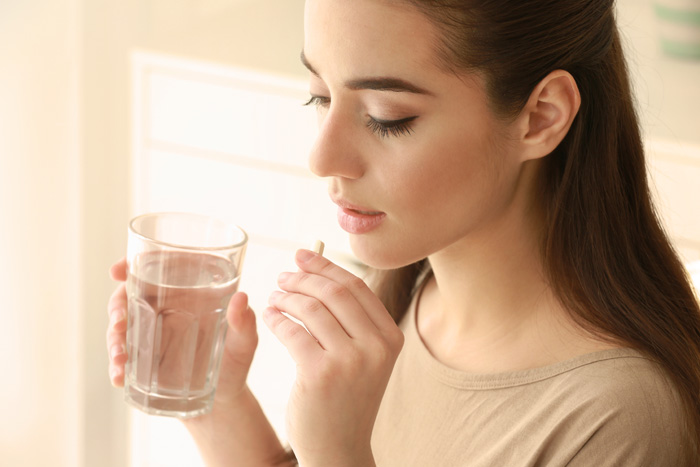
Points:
(182, 271)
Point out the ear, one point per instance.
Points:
(547, 116)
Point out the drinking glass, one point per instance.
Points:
(183, 269)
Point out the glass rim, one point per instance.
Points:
(232, 246)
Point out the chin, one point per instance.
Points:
(379, 255)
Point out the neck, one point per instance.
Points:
(490, 279)
(489, 306)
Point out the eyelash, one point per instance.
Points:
(382, 128)
(317, 101)
(394, 127)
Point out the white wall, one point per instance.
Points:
(40, 235)
(261, 34)
(64, 150)
(668, 104)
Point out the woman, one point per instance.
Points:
(487, 162)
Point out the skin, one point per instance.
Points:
(456, 185)
(470, 207)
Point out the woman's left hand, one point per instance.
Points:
(343, 362)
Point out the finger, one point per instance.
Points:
(239, 346)
(116, 329)
(116, 309)
(116, 335)
(242, 338)
(310, 262)
(318, 320)
(116, 347)
(116, 376)
(313, 292)
(299, 343)
(118, 270)
(116, 373)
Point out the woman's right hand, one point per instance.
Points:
(240, 344)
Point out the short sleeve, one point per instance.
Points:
(643, 424)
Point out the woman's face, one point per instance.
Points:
(414, 157)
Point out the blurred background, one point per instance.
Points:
(111, 108)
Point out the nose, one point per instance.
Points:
(335, 152)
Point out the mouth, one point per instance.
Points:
(365, 213)
(356, 219)
(357, 209)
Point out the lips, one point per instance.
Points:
(365, 213)
(357, 219)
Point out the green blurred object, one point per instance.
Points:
(679, 27)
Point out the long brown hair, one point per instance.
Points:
(605, 252)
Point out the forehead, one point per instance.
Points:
(368, 37)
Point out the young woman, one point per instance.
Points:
(486, 161)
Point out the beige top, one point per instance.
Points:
(609, 408)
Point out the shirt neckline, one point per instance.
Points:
(486, 381)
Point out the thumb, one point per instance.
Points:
(240, 344)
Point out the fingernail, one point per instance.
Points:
(118, 321)
(283, 277)
(273, 297)
(304, 255)
(116, 351)
(269, 312)
(117, 315)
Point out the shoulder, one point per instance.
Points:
(632, 412)
(624, 381)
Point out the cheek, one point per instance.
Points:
(443, 178)
(442, 193)
(429, 209)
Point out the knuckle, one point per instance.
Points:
(334, 290)
(289, 331)
(302, 279)
(327, 267)
(356, 284)
(382, 353)
(311, 306)
(355, 361)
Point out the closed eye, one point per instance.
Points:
(318, 101)
(384, 128)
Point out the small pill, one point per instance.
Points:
(318, 247)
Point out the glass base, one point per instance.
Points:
(169, 406)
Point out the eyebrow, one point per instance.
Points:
(380, 83)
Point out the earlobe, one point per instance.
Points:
(549, 113)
